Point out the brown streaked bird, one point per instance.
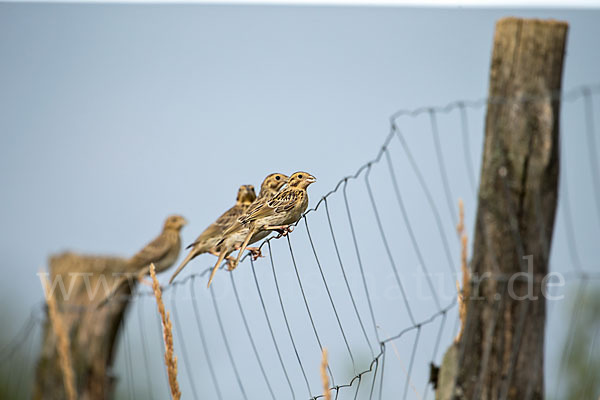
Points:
(162, 252)
(207, 241)
(280, 212)
(234, 235)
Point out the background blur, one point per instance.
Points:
(114, 116)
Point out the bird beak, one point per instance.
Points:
(311, 179)
(184, 222)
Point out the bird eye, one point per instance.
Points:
(277, 177)
(299, 176)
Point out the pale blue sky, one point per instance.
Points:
(114, 116)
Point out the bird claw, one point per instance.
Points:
(231, 264)
(284, 231)
(256, 253)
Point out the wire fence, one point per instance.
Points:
(369, 273)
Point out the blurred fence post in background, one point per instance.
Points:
(92, 331)
(501, 353)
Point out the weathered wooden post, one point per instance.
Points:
(500, 354)
(92, 331)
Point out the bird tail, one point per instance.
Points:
(244, 245)
(187, 259)
(222, 255)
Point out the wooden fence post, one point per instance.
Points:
(501, 352)
(92, 331)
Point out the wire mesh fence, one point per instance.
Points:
(369, 273)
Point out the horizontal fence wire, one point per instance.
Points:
(278, 321)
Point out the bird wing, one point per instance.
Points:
(218, 227)
(230, 216)
(281, 203)
(236, 226)
(253, 209)
(153, 251)
(288, 201)
(209, 232)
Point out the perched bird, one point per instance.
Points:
(280, 212)
(207, 241)
(266, 215)
(234, 235)
(162, 252)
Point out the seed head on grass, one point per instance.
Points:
(324, 377)
(170, 359)
(466, 275)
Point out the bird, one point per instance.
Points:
(276, 214)
(162, 252)
(207, 241)
(234, 235)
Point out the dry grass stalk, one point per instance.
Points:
(62, 343)
(466, 275)
(397, 354)
(324, 377)
(170, 359)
